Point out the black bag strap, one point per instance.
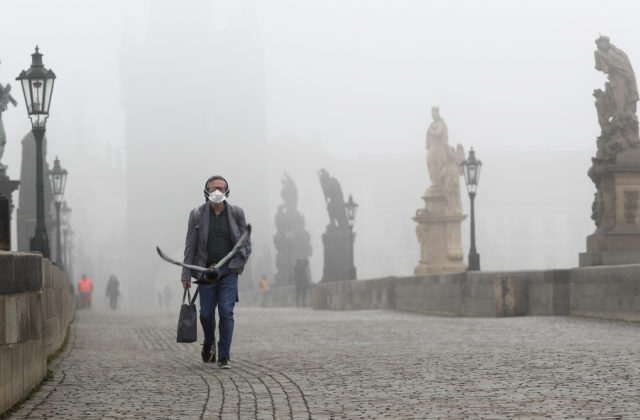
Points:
(188, 293)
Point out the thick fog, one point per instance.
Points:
(153, 97)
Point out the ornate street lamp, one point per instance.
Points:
(37, 86)
(472, 168)
(58, 182)
(69, 260)
(65, 212)
(352, 208)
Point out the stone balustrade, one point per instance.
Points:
(608, 292)
(36, 307)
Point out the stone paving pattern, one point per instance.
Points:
(305, 364)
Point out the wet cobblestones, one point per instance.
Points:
(304, 364)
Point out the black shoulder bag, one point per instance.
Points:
(188, 321)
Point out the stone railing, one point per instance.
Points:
(36, 307)
(608, 292)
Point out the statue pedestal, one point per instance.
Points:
(338, 254)
(7, 187)
(617, 238)
(439, 236)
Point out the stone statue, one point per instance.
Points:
(334, 199)
(443, 162)
(616, 105)
(292, 241)
(615, 169)
(338, 239)
(289, 193)
(622, 79)
(5, 99)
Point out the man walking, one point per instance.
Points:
(213, 230)
(113, 291)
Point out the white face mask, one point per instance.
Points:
(217, 197)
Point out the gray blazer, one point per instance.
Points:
(195, 248)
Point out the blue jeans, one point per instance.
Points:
(222, 294)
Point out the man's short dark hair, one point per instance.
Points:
(211, 178)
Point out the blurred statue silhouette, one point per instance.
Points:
(5, 100)
(291, 240)
(334, 199)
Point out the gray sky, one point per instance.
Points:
(359, 75)
(354, 79)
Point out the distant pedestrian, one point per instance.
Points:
(113, 291)
(213, 230)
(85, 288)
(166, 294)
(263, 283)
(302, 278)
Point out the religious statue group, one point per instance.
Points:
(444, 163)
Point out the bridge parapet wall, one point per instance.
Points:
(36, 307)
(608, 292)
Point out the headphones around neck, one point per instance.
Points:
(206, 186)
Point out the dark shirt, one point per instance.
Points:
(219, 239)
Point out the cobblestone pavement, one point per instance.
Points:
(299, 363)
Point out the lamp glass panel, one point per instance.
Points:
(48, 90)
(26, 89)
(56, 178)
(37, 91)
(466, 172)
(473, 175)
(64, 181)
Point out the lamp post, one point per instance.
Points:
(66, 224)
(472, 167)
(351, 207)
(58, 182)
(37, 86)
(70, 248)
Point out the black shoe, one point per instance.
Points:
(223, 363)
(208, 353)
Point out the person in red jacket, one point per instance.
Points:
(85, 287)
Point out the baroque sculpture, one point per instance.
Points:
(443, 162)
(338, 237)
(5, 99)
(334, 199)
(439, 221)
(616, 105)
(292, 241)
(7, 186)
(615, 169)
